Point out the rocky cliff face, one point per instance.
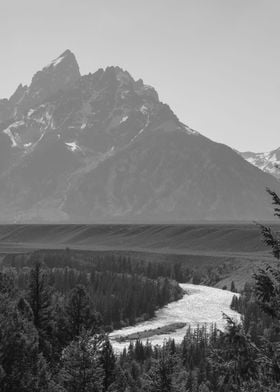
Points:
(103, 147)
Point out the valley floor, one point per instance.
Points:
(238, 246)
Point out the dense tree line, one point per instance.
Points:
(42, 349)
(205, 361)
(52, 339)
(121, 298)
(50, 317)
(182, 269)
(48, 345)
(257, 323)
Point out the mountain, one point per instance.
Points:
(102, 147)
(269, 162)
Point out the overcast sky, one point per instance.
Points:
(215, 62)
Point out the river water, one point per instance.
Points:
(201, 305)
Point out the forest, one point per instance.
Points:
(117, 291)
(58, 306)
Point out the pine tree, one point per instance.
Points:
(232, 287)
(162, 373)
(203, 388)
(22, 366)
(268, 289)
(81, 367)
(39, 298)
(79, 312)
(7, 284)
(121, 381)
(108, 363)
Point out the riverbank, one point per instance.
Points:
(201, 305)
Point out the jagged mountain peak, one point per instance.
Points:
(64, 69)
(66, 57)
(61, 73)
(18, 94)
(103, 146)
(98, 111)
(117, 76)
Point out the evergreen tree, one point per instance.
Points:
(162, 374)
(7, 284)
(268, 289)
(108, 363)
(39, 298)
(232, 287)
(22, 367)
(81, 367)
(79, 312)
(121, 382)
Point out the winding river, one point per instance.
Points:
(201, 305)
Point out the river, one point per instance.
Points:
(201, 305)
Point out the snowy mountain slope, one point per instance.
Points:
(269, 162)
(104, 147)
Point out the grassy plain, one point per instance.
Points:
(237, 244)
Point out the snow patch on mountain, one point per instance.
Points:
(123, 119)
(144, 109)
(30, 112)
(11, 136)
(190, 131)
(73, 146)
(269, 161)
(58, 60)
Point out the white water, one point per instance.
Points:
(202, 305)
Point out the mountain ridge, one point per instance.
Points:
(269, 161)
(84, 148)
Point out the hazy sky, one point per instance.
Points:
(215, 62)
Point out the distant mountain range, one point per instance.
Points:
(103, 148)
(269, 162)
